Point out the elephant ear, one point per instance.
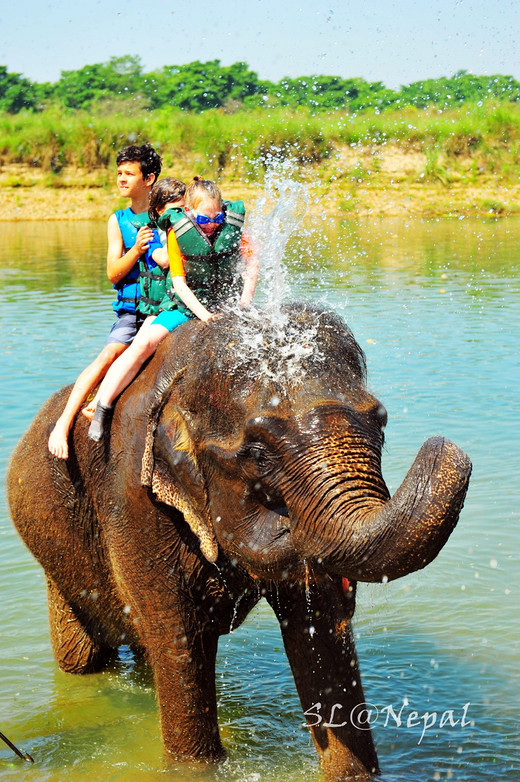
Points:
(170, 469)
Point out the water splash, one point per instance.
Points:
(221, 577)
(235, 610)
(308, 599)
(277, 344)
(277, 214)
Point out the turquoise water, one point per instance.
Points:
(435, 305)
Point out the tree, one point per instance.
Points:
(463, 87)
(325, 93)
(16, 92)
(120, 76)
(198, 86)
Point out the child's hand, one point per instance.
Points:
(211, 316)
(143, 239)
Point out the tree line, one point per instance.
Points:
(200, 86)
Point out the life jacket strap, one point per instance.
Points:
(132, 278)
(153, 274)
(153, 302)
(182, 226)
(235, 218)
(211, 257)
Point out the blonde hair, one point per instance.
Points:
(200, 189)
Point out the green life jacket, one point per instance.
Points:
(153, 286)
(210, 263)
(152, 279)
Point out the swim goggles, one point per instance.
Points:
(204, 220)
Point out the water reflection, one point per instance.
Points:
(361, 252)
(52, 257)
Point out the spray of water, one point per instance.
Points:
(276, 345)
(277, 215)
(268, 335)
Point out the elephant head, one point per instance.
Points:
(270, 445)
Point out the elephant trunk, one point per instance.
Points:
(368, 537)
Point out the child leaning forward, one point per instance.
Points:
(205, 245)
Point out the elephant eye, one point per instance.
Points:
(378, 415)
(256, 458)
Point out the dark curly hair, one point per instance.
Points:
(145, 155)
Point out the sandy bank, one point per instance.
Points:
(354, 184)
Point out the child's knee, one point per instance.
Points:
(144, 349)
(151, 347)
(110, 352)
(149, 342)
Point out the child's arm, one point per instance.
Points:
(187, 296)
(251, 271)
(119, 263)
(179, 284)
(156, 253)
(160, 256)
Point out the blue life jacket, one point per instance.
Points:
(128, 289)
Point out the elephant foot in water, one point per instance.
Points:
(75, 650)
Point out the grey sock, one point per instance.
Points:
(101, 417)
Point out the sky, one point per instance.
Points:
(378, 40)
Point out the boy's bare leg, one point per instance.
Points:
(90, 408)
(91, 375)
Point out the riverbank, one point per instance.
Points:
(355, 182)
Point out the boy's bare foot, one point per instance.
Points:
(58, 438)
(89, 410)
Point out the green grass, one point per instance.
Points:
(213, 143)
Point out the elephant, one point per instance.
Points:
(243, 462)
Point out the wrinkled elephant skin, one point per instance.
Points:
(244, 461)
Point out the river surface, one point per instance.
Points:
(436, 307)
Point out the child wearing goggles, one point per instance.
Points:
(206, 247)
(205, 220)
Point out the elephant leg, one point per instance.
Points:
(315, 625)
(183, 660)
(75, 650)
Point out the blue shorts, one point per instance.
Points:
(124, 329)
(170, 319)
